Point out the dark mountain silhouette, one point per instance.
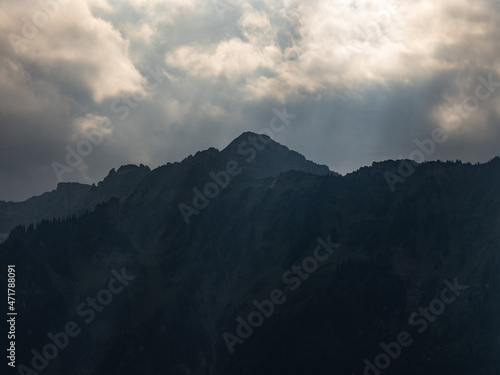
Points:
(71, 198)
(369, 259)
(263, 157)
(76, 198)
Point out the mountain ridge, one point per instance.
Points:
(74, 198)
(194, 284)
(70, 198)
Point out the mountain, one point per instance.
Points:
(282, 267)
(155, 202)
(71, 198)
(76, 198)
(263, 157)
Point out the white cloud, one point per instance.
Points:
(73, 48)
(338, 44)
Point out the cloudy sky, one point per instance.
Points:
(153, 81)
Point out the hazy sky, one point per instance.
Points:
(157, 80)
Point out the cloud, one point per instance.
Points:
(337, 44)
(72, 48)
(364, 77)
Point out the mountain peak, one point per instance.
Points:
(263, 156)
(244, 137)
(132, 167)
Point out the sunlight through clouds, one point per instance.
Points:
(220, 66)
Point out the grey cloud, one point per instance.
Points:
(358, 98)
